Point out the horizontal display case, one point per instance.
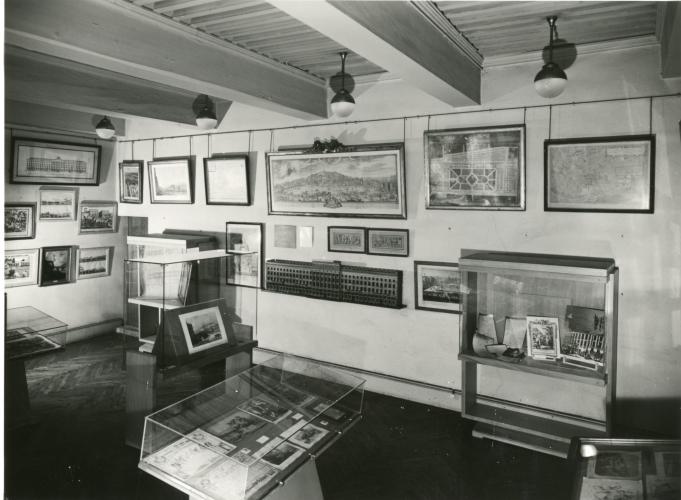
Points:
(545, 317)
(246, 436)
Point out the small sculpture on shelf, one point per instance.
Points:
(331, 145)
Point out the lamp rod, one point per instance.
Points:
(552, 29)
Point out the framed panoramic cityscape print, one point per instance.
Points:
(360, 181)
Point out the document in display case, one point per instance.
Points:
(246, 436)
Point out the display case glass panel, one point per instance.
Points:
(30, 332)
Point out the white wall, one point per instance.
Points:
(422, 345)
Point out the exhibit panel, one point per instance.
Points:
(245, 436)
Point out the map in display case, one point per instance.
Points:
(243, 437)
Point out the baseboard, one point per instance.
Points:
(91, 330)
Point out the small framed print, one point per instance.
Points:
(56, 265)
(57, 203)
(347, 239)
(543, 337)
(171, 180)
(226, 180)
(98, 217)
(94, 262)
(131, 181)
(20, 221)
(392, 242)
(437, 286)
(245, 239)
(21, 267)
(203, 329)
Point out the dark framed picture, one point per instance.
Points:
(362, 181)
(56, 265)
(226, 178)
(21, 267)
(57, 203)
(20, 221)
(600, 174)
(479, 168)
(245, 239)
(391, 242)
(98, 217)
(437, 286)
(37, 161)
(171, 180)
(131, 181)
(347, 239)
(94, 262)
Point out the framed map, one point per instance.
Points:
(600, 174)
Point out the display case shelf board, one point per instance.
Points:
(516, 438)
(180, 258)
(166, 304)
(548, 368)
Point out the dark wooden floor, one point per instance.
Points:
(400, 450)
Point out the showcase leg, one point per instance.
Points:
(303, 484)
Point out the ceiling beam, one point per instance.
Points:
(120, 37)
(404, 38)
(670, 39)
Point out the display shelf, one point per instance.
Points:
(156, 303)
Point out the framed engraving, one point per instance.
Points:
(20, 221)
(98, 217)
(476, 168)
(131, 181)
(226, 180)
(437, 286)
(600, 174)
(391, 242)
(171, 180)
(56, 265)
(203, 329)
(57, 203)
(21, 267)
(38, 161)
(94, 262)
(347, 239)
(543, 337)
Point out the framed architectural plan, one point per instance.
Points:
(171, 180)
(437, 286)
(20, 221)
(21, 267)
(600, 174)
(131, 181)
(361, 181)
(226, 179)
(391, 242)
(476, 168)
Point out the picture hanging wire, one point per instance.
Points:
(404, 130)
(524, 116)
(250, 134)
(271, 140)
(650, 122)
(428, 125)
(210, 140)
(190, 145)
(132, 150)
(550, 120)
(153, 150)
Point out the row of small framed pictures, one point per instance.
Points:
(55, 265)
(373, 241)
(59, 204)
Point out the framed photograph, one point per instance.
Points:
(98, 217)
(131, 181)
(171, 180)
(476, 169)
(363, 181)
(347, 239)
(226, 180)
(56, 265)
(203, 329)
(437, 286)
(279, 453)
(392, 242)
(21, 267)
(308, 436)
(37, 161)
(245, 238)
(57, 203)
(543, 337)
(94, 262)
(600, 174)
(20, 221)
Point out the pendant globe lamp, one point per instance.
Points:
(206, 118)
(105, 129)
(342, 103)
(551, 79)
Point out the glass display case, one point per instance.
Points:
(246, 436)
(552, 321)
(645, 469)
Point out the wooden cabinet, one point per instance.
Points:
(570, 306)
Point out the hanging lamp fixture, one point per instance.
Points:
(551, 79)
(206, 118)
(105, 129)
(342, 103)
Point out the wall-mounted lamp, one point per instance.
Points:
(105, 128)
(551, 79)
(342, 103)
(206, 118)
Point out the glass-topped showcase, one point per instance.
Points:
(243, 437)
(30, 332)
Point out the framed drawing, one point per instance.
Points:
(285, 236)
(37, 161)
(131, 181)
(245, 239)
(203, 329)
(361, 181)
(94, 262)
(226, 180)
(98, 217)
(347, 239)
(171, 180)
(393, 242)
(543, 337)
(58, 203)
(437, 286)
(600, 174)
(476, 168)
(56, 265)
(21, 267)
(20, 221)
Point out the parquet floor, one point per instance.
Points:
(399, 451)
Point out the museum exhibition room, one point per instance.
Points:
(342, 250)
